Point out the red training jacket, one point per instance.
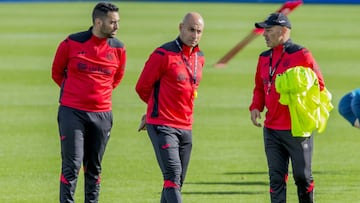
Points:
(278, 116)
(167, 87)
(87, 69)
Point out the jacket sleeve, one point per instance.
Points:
(151, 73)
(314, 66)
(258, 100)
(60, 62)
(121, 70)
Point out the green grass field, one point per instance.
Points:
(228, 162)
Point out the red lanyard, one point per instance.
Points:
(273, 70)
(188, 65)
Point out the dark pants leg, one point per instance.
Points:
(97, 136)
(280, 146)
(278, 164)
(172, 149)
(83, 139)
(301, 152)
(72, 130)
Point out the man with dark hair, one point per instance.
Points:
(168, 85)
(87, 67)
(281, 145)
(101, 10)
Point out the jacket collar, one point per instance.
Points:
(186, 49)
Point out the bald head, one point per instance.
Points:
(191, 28)
(193, 16)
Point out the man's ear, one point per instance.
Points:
(180, 26)
(285, 30)
(98, 22)
(282, 30)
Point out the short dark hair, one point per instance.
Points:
(102, 8)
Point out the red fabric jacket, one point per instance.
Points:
(278, 116)
(87, 69)
(167, 87)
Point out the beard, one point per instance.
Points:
(107, 32)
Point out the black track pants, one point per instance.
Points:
(172, 149)
(280, 147)
(84, 136)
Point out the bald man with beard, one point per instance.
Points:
(168, 85)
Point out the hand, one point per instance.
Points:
(142, 125)
(255, 114)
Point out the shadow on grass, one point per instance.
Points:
(233, 183)
(246, 183)
(290, 172)
(225, 193)
(241, 183)
(247, 173)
